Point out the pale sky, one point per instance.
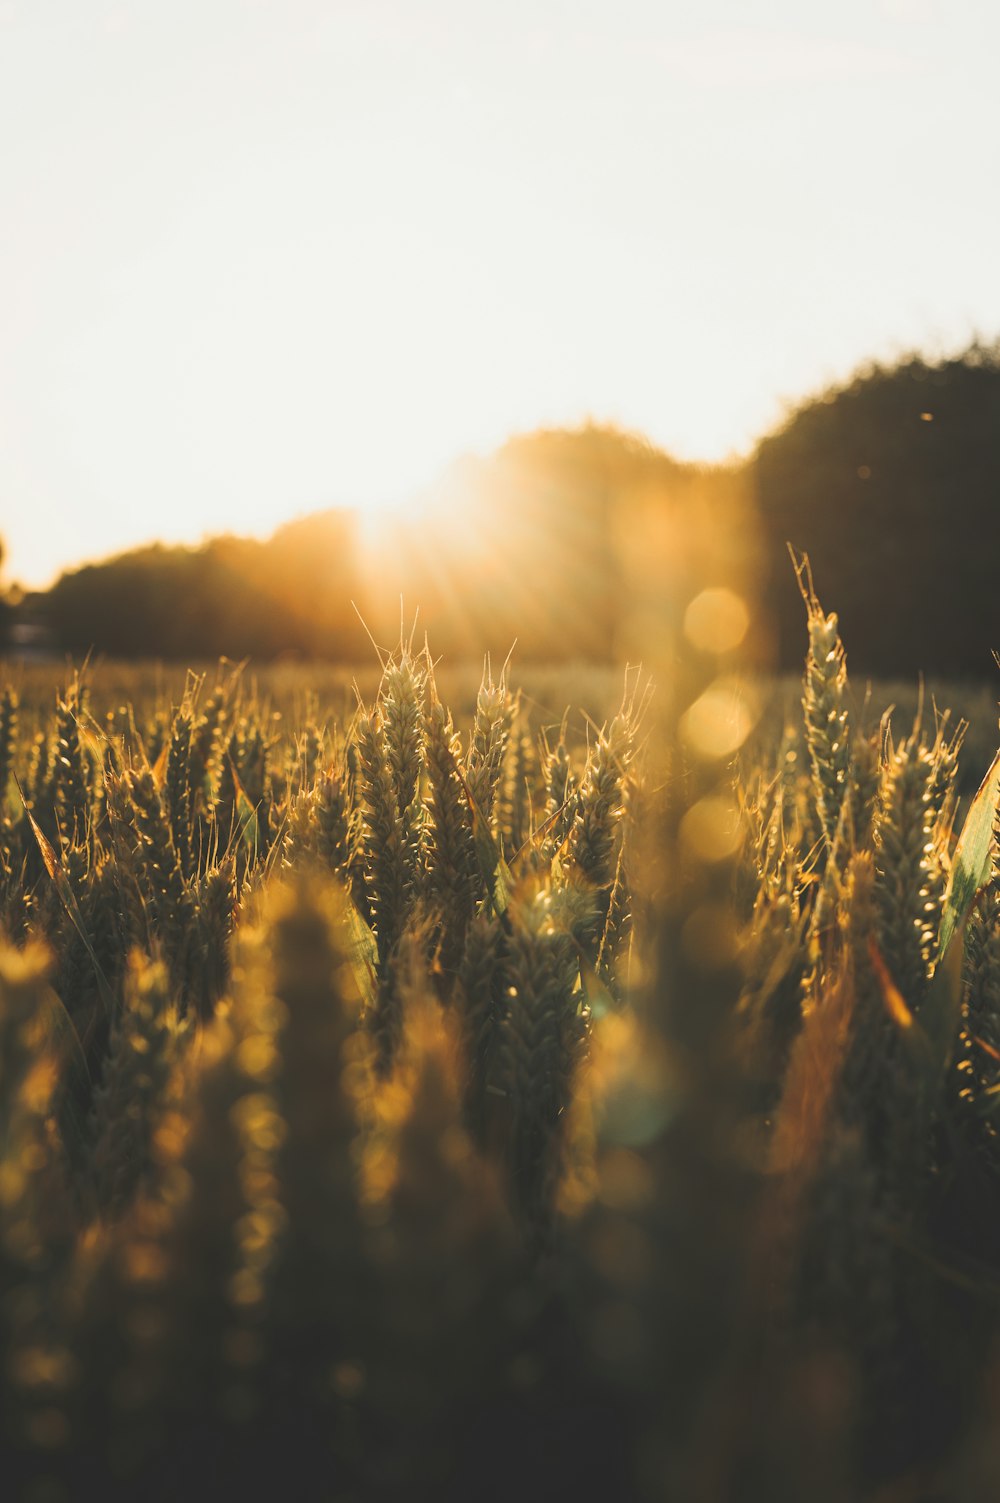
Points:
(263, 256)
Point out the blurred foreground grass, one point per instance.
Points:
(445, 1097)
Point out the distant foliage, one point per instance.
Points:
(544, 527)
(232, 596)
(891, 484)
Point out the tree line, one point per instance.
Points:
(891, 483)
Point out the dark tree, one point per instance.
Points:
(892, 485)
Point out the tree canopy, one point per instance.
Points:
(891, 483)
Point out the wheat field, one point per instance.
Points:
(416, 1091)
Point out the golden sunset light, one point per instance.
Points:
(261, 260)
(499, 788)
